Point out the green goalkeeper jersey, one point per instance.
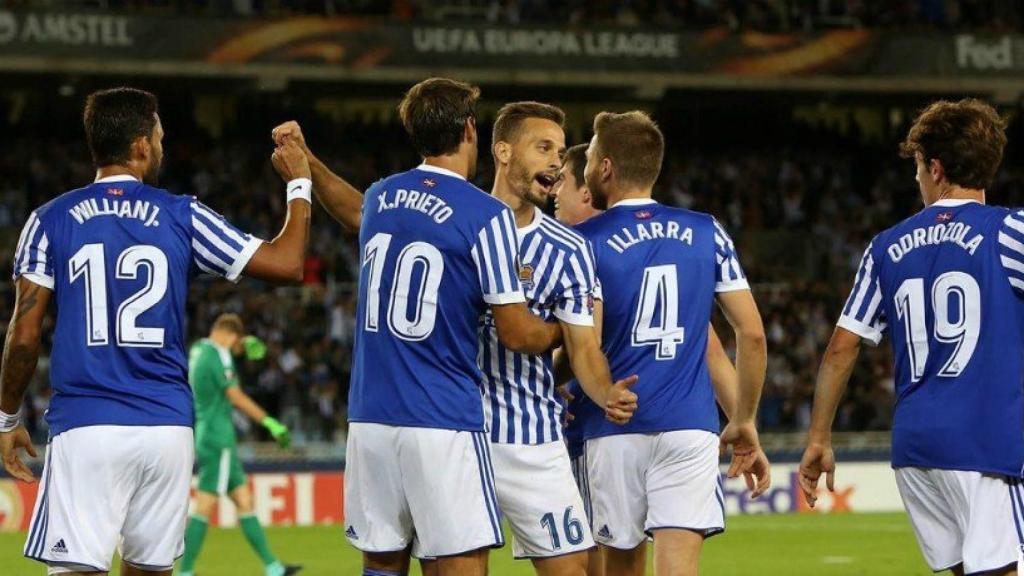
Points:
(211, 371)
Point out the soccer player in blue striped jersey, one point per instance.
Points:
(534, 481)
(117, 256)
(948, 283)
(437, 254)
(661, 269)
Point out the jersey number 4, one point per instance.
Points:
(657, 314)
(415, 324)
(956, 304)
(89, 263)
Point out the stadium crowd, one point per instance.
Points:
(801, 216)
(772, 15)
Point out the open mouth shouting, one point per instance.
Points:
(546, 181)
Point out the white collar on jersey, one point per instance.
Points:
(634, 202)
(438, 170)
(537, 217)
(117, 178)
(950, 203)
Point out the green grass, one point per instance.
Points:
(840, 545)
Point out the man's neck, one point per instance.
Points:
(522, 208)
(960, 193)
(457, 163)
(118, 170)
(618, 195)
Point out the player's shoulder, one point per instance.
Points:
(560, 234)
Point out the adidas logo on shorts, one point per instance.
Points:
(59, 547)
(604, 532)
(351, 533)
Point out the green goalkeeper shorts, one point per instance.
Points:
(220, 470)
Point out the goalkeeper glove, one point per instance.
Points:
(278, 431)
(255, 349)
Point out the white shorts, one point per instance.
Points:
(643, 482)
(436, 486)
(963, 517)
(107, 488)
(538, 495)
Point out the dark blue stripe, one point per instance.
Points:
(33, 533)
(518, 373)
(510, 409)
(492, 384)
(46, 517)
(490, 259)
(483, 483)
(537, 380)
(559, 232)
(36, 538)
(721, 503)
(554, 418)
(490, 478)
(215, 229)
(1014, 500)
(206, 262)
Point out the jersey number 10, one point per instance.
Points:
(420, 323)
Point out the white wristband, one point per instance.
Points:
(9, 422)
(300, 189)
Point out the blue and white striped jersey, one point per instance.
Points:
(119, 256)
(659, 269)
(437, 252)
(557, 274)
(948, 283)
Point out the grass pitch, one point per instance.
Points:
(839, 545)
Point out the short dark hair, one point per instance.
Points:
(967, 137)
(577, 157)
(230, 323)
(634, 144)
(434, 113)
(511, 116)
(114, 119)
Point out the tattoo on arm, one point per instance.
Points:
(27, 302)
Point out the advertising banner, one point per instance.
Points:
(364, 44)
(315, 498)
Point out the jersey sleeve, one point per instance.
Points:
(863, 313)
(576, 302)
(729, 275)
(496, 256)
(218, 248)
(32, 256)
(1011, 249)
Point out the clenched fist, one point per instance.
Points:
(290, 161)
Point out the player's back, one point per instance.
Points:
(119, 256)
(659, 268)
(949, 281)
(436, 251)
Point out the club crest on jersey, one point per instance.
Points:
(643, 214)
(115, 191)
(526, 275)
(944, 217)
(429, 182)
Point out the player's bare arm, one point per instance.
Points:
(282, 259)
(751, 362)
(723, 374)
(522, 331)
(21, 353)
(591, 369)
(343, 201)
(833, 375)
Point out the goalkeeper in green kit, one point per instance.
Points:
(216, 392)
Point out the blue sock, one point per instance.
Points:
(374, 572)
